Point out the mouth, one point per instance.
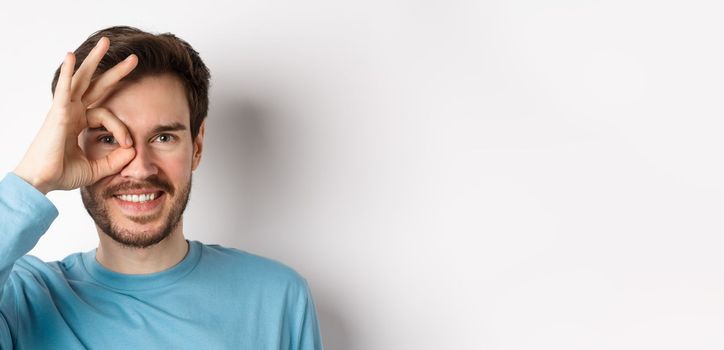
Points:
(139, 203)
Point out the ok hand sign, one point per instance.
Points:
(54, 160)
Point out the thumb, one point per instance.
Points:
(112, 163)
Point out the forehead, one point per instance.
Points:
(148, 102)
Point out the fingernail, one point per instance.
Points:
(129, 141)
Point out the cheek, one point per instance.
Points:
(97, 188)
(176, 165)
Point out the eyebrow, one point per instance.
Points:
(169, 127)
(160, 128)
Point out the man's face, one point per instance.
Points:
(143, 204)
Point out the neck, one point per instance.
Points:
(158, 257)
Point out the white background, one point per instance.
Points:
(446, 174)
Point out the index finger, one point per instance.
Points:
(102, 118)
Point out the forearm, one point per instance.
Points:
(25, 215)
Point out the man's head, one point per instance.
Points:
(163, 102)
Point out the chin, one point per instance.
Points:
(138, 236)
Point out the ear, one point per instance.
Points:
(198, 146)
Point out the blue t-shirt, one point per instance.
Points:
(215, 298)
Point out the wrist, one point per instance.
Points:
(32, 181)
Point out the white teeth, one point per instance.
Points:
(138, 198)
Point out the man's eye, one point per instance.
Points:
(109, 139)
(165, 138)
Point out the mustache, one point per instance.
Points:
(151, 182)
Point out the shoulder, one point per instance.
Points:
(33, 275)
(30, 265)
(250, 268)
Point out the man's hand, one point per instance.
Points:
(54, 160)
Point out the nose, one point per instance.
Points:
(141, 166)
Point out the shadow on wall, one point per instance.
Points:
(240, 153)
(243, 178)
(334, 334)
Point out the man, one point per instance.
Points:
(126, 126)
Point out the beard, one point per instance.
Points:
(95, 202)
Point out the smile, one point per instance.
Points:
(138, 198)
(141, 203)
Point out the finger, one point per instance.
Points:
(111, 164)
(100, 86)
(82, 77)
(101, 117)
(62, 87)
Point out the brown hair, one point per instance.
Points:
(157, 54)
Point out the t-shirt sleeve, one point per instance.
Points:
(6, 340)
(308, 332)
(25, 215)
